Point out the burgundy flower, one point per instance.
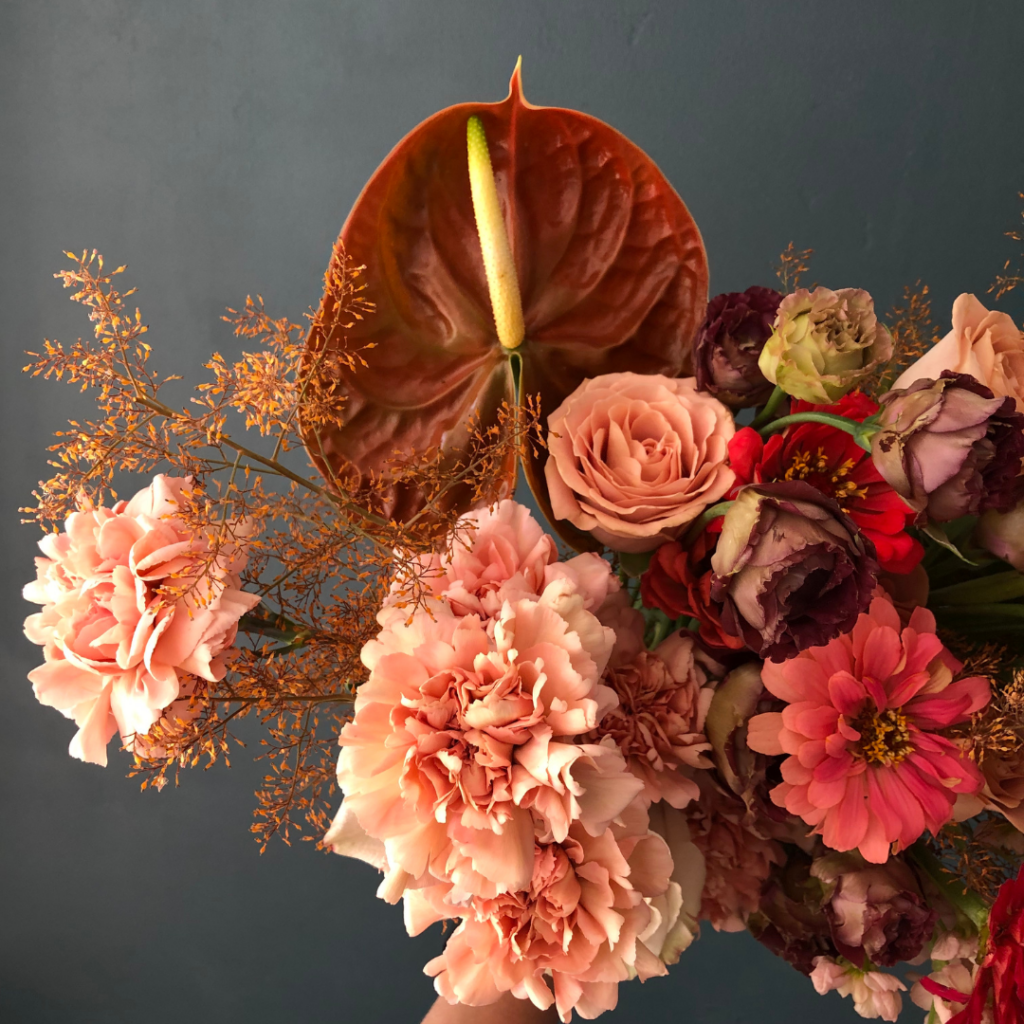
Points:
(729, 343)
(678, 581)
(998, 995)
(950, 447)
(832, 461)
(791, 569)
(874, 910)
(790, 920)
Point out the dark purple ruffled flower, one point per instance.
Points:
(951, 448)
(791, 569)
(729, 343)
(874, 910)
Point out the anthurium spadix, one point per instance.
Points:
(609, 269)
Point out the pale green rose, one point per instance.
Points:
(824, 343)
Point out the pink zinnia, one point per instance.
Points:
(867, 767)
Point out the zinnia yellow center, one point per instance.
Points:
(884, 736)
(804, 465)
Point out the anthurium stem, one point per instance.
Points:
(770, 408)
(499, 266)
(860, 432)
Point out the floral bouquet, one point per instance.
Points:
(771, 679)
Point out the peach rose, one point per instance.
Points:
(635, 457)
(116, 631)
(986, 344)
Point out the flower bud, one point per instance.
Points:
(950, 448)
(729, 343)
(824, 343)
(1002, 533)
(791, 569)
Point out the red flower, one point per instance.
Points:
(679, 583)
(834, 463)
(1001, 975)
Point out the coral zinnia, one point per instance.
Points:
(866, 766)
(830, 460)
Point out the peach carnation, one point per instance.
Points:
(984, 343)
(866, 766)
(658, 724)
(635, 457)
(131, 602)
(458, 755)
(875, 993)
(502, 554)
(578, 921)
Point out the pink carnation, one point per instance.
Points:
(579, 921)
(458, 757)
(118, 626)
(502, 554)
(867, 767)
(658, 724)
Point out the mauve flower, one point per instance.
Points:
(678, 581)
(131, 602)
(867, 767)
(737, 862)
(824, 344)
(998, 994)
(1002, 533)
(874, 993)
(729, 342)
(789, 920)
(791, 569)
(658, 722)
(950, 448)
(876, 910)
(635, 457)
(577, 921)
(986, 344)
(832, 461)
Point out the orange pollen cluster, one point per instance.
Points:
(803, 464)
(884, 736)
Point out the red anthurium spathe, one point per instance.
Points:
(610, 266)
(832, 461)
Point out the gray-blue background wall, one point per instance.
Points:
(216, 148)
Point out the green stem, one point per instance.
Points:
(1009, 613)
(768, 410)
(699, 524)
(860, 432)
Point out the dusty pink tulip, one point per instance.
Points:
(130, 605)
(635, 457)
(986, 344)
